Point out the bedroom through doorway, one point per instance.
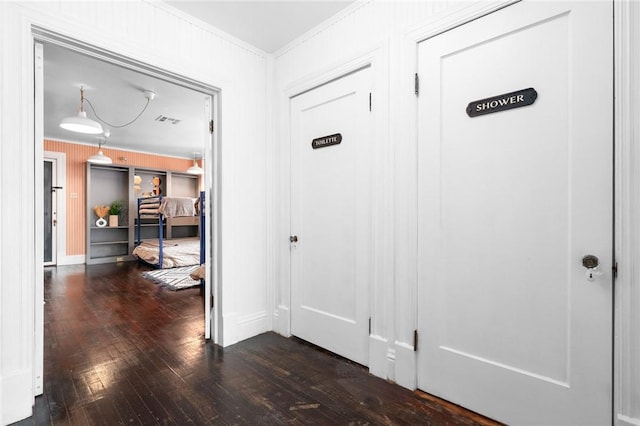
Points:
(164, 149)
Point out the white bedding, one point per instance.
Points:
(176, 252)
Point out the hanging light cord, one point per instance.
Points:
(114, 125)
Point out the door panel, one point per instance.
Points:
(509, 203)
(331, 216)
(50, 214)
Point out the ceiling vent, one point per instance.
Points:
(165, 119)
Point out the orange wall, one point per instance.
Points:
(76, 157)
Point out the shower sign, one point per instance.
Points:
(502, 102)
(326, 141)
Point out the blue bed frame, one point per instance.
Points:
(161, 232)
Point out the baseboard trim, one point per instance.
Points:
(281, 318)
(251, 325)
(627, 421)
(406, 372)
(17, 396)
(378, 357)
(229, 329)
(71, 260)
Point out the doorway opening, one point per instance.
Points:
(132, 74)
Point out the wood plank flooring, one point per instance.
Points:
(122, 350)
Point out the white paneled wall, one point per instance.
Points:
(16, 233)
(377, 30)
(152, 33)
(390, 30)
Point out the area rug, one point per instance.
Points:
(173, 278)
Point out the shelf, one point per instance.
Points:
(111, 259)
(119, 182)
(110, 227)
(104, 243)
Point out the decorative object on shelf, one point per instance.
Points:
(114, 212)
(195, 169)
(156, 181)
(100, 158)
(81, 123)
(137, 180)
(101, 212)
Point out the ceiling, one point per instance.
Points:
(268, 25)
(116, 93)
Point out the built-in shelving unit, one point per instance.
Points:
(107, 183)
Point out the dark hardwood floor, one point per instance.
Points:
(121, 350)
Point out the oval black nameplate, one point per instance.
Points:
(502, 103)
(326, 141)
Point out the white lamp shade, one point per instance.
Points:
(99, 158)
(81, 124)
(195, 170)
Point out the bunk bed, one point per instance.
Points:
(169, 213)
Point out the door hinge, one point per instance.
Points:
(211, 126)
(369, 101)
(416, 83)
(415, 340)
(614, 270)
(369, 325)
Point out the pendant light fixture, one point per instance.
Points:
(100, 158)
(81, 123)
(195, 169)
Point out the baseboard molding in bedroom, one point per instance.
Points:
(71, 260)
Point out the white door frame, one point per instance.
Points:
(627, 210)
(599, 238)
(38, 317)
(211, 176)
(54, 204)
(626, 195)
(356, 85)
(373, 56)
(406, 182)
(60, 230)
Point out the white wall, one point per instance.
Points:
(378, 32)
(155, 34)
(390, 30)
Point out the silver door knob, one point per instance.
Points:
(590, 261)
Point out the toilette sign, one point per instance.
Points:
(326, 141)
(502, 102)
